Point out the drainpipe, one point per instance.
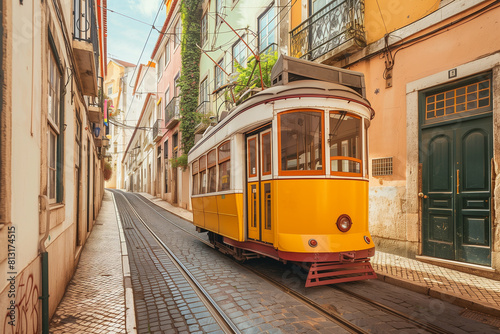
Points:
(44, 204)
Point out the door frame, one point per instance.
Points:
(260, 181)
(413, 244)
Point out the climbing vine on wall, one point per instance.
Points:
(190, 72)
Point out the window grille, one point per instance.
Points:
(382, 166)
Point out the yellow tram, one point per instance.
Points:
(285, 174)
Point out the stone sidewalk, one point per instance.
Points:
(95, 298)
(462, 289)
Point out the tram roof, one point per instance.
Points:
(295, 89)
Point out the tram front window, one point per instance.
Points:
(301, 141)
(345, 144)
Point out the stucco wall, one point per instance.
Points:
(394, 131)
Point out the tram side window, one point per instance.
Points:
(225, 166)
(196, 178)
(301, 144)
(212, 171)
(203, 175)
(345, 144)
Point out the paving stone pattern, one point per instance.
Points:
(474, 287)
(461, 284)
(421, 307)
(254, 305)
(164, 300)
(94, 300)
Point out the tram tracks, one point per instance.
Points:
(223, 320)
(327, 312)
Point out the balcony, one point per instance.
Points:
(172, 113)
(204, 110)
(86, 45)
(157, 130)
(335, 30)
(94, 104)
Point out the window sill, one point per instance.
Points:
(55, 206)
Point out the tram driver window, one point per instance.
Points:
(301, 141)
(345, 144)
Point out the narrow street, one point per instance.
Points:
(167, 301)
(249, 166)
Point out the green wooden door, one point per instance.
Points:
(456, 185)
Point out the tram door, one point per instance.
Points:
(259, 186)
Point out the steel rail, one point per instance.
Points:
(332, 316)
(226, 324)
(431, 328)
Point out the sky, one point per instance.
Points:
(126, 36)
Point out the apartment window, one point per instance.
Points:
(212, 171)
(160, 66)
(218, 9)
(167, 97)
(178, 34)
(110, 90)
(267, 31)
(225, 166)
(177, 88)
(204, 91)
(175, 145)
(239, 54)
(54, 134)
(165, 156)
(219, 75)
(204, 29)
(167, 53)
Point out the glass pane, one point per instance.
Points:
(52, 184)
(225, 176)
(252, 157)
(224, 151)
(267, 196)
(266, 153)
(52, 150)
(203, 162)
(196, 186)
(203, 177)
(211, 158)
(212, 178)
(195, 167)
(345, 141)
(301, 141)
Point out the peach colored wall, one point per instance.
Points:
(439, 53)
(394, 218)
(393, 14)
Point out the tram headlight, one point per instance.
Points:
(344, 223)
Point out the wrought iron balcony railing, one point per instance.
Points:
(85, 25)
(157, 130)
(172, 110)
(337, 23)
(203, 108)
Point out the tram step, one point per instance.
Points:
(339, 272)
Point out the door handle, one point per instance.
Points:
(421, 195)
(458, 181)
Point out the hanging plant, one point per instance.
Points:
(180, 161)
(108, 171)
